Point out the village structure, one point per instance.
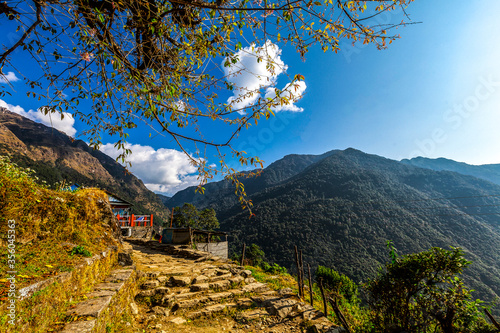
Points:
(142, 227)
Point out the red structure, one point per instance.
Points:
(135, 220)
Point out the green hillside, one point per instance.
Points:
(343, 207)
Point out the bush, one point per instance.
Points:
(422, 291)
(337, 282)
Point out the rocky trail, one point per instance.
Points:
(184, 290)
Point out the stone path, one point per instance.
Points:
(189, 291)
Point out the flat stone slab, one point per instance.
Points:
(199, 287)
(220, 285)
(151, 284)
(178, 320)
(83, 326)
(180, 280)
(119, 275)
(109, 286)
(221, 277)
(162, 291)
(90, 308)
(200, 279)
(255, 287)
(219, 296)
(282, 307)
(245, 303)
(101, 293)
(253, 314)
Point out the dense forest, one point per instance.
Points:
(340, 208)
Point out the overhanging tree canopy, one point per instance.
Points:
(165, 63)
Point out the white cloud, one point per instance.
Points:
(256, 68)
(293, 92)
(51, 119)
(10, 77)
(162, 170)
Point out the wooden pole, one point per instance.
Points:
(301, 274)
(298, 269)
(172, 217)
(310, 285)
(243, 254)
(339, 314)
(325, 304)
(497, 325)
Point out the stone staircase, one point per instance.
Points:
(187, 286)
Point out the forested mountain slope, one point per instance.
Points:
(342, 207)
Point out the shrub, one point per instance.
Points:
(337, 282)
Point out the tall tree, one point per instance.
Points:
(164, 63)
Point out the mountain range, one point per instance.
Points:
(56, 158)
(342, 207)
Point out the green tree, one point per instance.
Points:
(422, 291)
(164, 63)
(189, 216)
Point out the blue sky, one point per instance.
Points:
(435, 92)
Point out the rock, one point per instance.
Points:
(256, 287)
(338, 329)
(160, 311)
(161, 291)
(237, 279)
(220, 285)
(90, 308)
(281, 307)
(246, 273)
(219, 296)
(79, 326)
(286, 292)
(161, 279)
(250, 280)
(245, 303)
(200, 279)
(125, 259)
(178, 320)
(180, 281)
(150, 284)
(199, 287)
(146, 293)
(134, 309)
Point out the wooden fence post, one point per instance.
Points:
(497, 325)
(339, 314)
(301, 275)
(298, 270)
(132, 220)
(310, 284)
(151, 223)
(243, 254)
(325, 304)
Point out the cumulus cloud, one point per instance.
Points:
(162, 170)
(292, 92)
(256, 68)
(64, 124)
(10, 77)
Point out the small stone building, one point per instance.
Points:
(214, 242)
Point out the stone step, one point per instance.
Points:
(85, 314)
(255, 287)
(210, 310)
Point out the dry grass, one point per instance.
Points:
(53, 231)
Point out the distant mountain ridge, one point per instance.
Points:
(56, 157)
(341, 207)
(490, 172)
